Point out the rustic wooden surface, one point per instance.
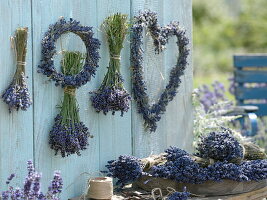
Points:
(24, 135)
(260, 194)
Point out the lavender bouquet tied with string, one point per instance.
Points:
(69, 135)
(112, 96)
(32, 187)
(17, 96)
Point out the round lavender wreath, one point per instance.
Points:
(148, 20)
(49, 50)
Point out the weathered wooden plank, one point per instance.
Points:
(175, 127)
(251, 93)
(242, 76)
(250, 60)
(47, 96)
(114, 130)
(16, 139)
(179, 114)
(144, 142)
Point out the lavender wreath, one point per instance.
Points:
(148, 20)
(49, 50)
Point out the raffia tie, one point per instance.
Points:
(116, 57)
(21, 63)
(70, 91)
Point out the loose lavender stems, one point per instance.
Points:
(17, 94)
(69, 135)
(111, 96)
(32, 187)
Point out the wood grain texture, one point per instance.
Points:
(24, 135)
(16, 128)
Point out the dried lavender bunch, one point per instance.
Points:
(220, 146)
(17, 95)
(126, 169)
(69, 135)
(32, 187)
(112, 96)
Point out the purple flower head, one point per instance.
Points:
(179, 195)
(220, 146)
(56, 184)
(17, 96)
(10, 178)
(68, 138)
(125, 168)
(111, 99)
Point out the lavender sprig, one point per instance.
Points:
(32, 187)
(17, 95)
(69, 135)
(112, 96)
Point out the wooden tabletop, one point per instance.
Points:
(260, 194)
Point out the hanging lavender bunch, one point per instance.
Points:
(69, 135)
(17, 94)
(112, 96)
(32, 187)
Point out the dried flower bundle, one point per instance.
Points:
(69, 135)
(32, 187)
(112, 96)
(17, 94)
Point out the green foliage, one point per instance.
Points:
(222, 28)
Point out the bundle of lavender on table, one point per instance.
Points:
(17, 94)
(220, 156)
(32, 187)
(112, 96)
(69, 135)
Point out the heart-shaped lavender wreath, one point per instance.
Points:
(148, 19)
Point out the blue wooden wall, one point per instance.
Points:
(24, 135)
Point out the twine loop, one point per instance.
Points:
(116, 57)
(70, 90)
(21, 63)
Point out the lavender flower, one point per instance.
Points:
(10, 178)
(173, 153)
(179, 195)
(56, 185)
(148, 19)
(184, 169)
(125, 168)
(220, 146)
(111, 99)
(32, 187)
(209, 97)
(68, 137)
